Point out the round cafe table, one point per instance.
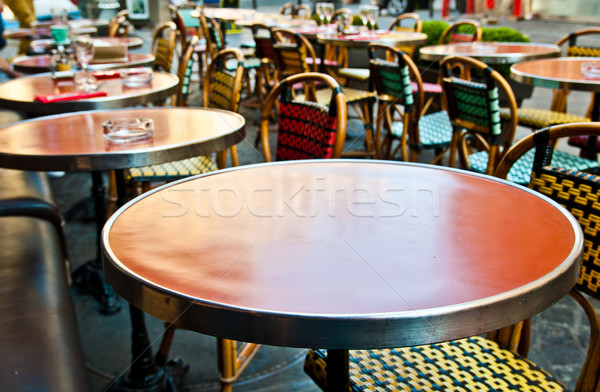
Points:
(45, 45)
(491, 52)
(342, 254)
(19, 94)
(41, 63)
(363, 39)
(44, 32)
(562, 73)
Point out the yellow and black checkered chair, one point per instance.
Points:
(222, 91)
(576, 44)
(164, 40)
(476, 363)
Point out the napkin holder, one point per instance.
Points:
(110, 54)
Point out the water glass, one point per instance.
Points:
(84, 53)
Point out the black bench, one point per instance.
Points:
(41, 348)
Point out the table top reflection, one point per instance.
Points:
(75, 141)
(559, 73)
(44, 32)
(41, 63)
(19, 94)
(360, 38)
(491, 52)
(284, 253)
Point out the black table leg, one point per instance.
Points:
(338, 373)
(144, 374)
(90, 277)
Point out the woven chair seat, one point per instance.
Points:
(172, 170)
(541, 118)
(520, 172)
(353, 95)
(472, 364)
(360, 74)
(328, 63)
(435, 130)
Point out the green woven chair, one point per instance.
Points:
(398, 98)
(477, 363)
(471, 92)
(540, 118)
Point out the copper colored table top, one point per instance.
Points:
(44, 32)
(491, 52)
(19, 94)
(83, 22)
(380, 36)
(559, 73)
(342, 254)
(41, 63)
(75, 142)
(44, 45)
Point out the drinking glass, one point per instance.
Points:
(319, 9)
(328, 12)
(372, 11)
(362, 13)
(84, 53)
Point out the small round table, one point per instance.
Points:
(19, 94)
(384, 37)
(562, 73)
(45, 45)
(41, 63)
(44, 32)
(342, 254)
(491, 52)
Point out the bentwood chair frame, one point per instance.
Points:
(119, 25)
(164, 40)
(465, 30)
(474, 109)
(409, 21)
(325, 125)
(267, 72)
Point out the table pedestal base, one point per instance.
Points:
(144, 374)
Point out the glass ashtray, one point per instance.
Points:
(137, 77)
(591, 69)
(128, 130)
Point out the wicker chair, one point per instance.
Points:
(400, 93)
(295, 54)
(477, 363)
(306, 128)
(164, 40)
(119, 25)
(222, 90)
(471, 92)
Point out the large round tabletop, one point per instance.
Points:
(44, 32)
(342, 254)
(559, 73)
(19, 94)
(41, 63)
(383, 37)
(75, 141)
(491, 52)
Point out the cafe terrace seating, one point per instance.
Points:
(307, 129)
(267, 72)
(477, 363)
(221, 91)
(394, 74)
(471, 94)
(295, 54)
(557, 114)
(187, 25)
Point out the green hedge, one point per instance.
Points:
(435, 28)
